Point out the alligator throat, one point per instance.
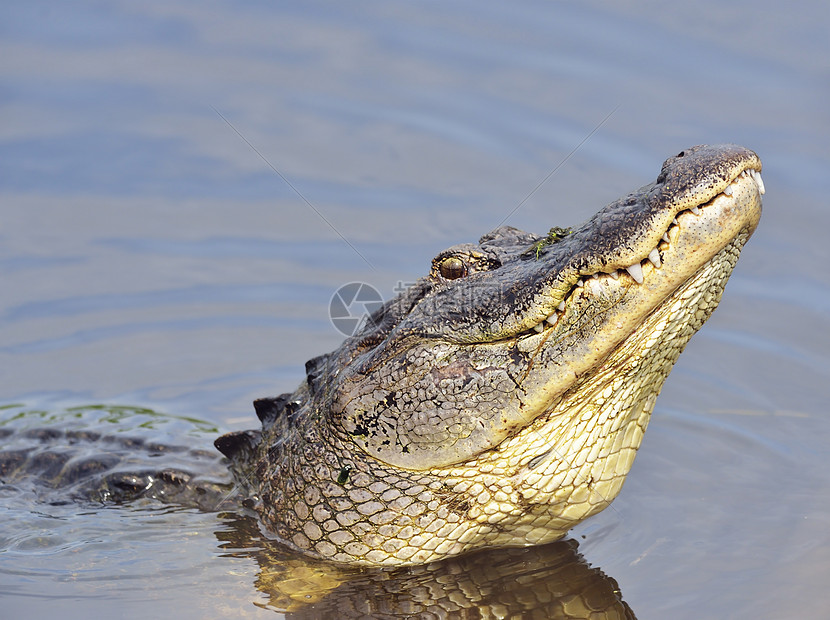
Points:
(501, 399)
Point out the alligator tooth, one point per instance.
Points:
(594, 275)
(666, 237)
(695, 210)
(636, 272)
(615, 274)
(654, 257)
(580, 282)
(538, 328)
(728, 190)
(552, 319)
(561, 306)
(759, 182)
(595, 286)
(674, 221)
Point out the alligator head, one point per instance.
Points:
(501, 399)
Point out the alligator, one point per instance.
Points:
(498, 401)
(501, 399)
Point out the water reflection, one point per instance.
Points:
(550, 581)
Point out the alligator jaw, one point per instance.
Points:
(693, 233)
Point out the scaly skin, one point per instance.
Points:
(501, 399)
(108, 453)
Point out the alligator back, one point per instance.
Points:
(112, 454)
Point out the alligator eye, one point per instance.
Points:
(452, 268)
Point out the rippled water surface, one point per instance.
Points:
(184, 185)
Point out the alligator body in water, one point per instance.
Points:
(501, 399)
(108, 453)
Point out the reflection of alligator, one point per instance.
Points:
(548, 581)
(497, 402)
(500, 400)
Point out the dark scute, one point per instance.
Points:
(158, 449)
(81, 469)
(129, 443)
(315, 369)
(269, 409)
(43, 434)
(76, 436)
(174, 476)
(236, 444)
(49, 464)
(126, 484)
(11, 460)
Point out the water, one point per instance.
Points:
(152, 256)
